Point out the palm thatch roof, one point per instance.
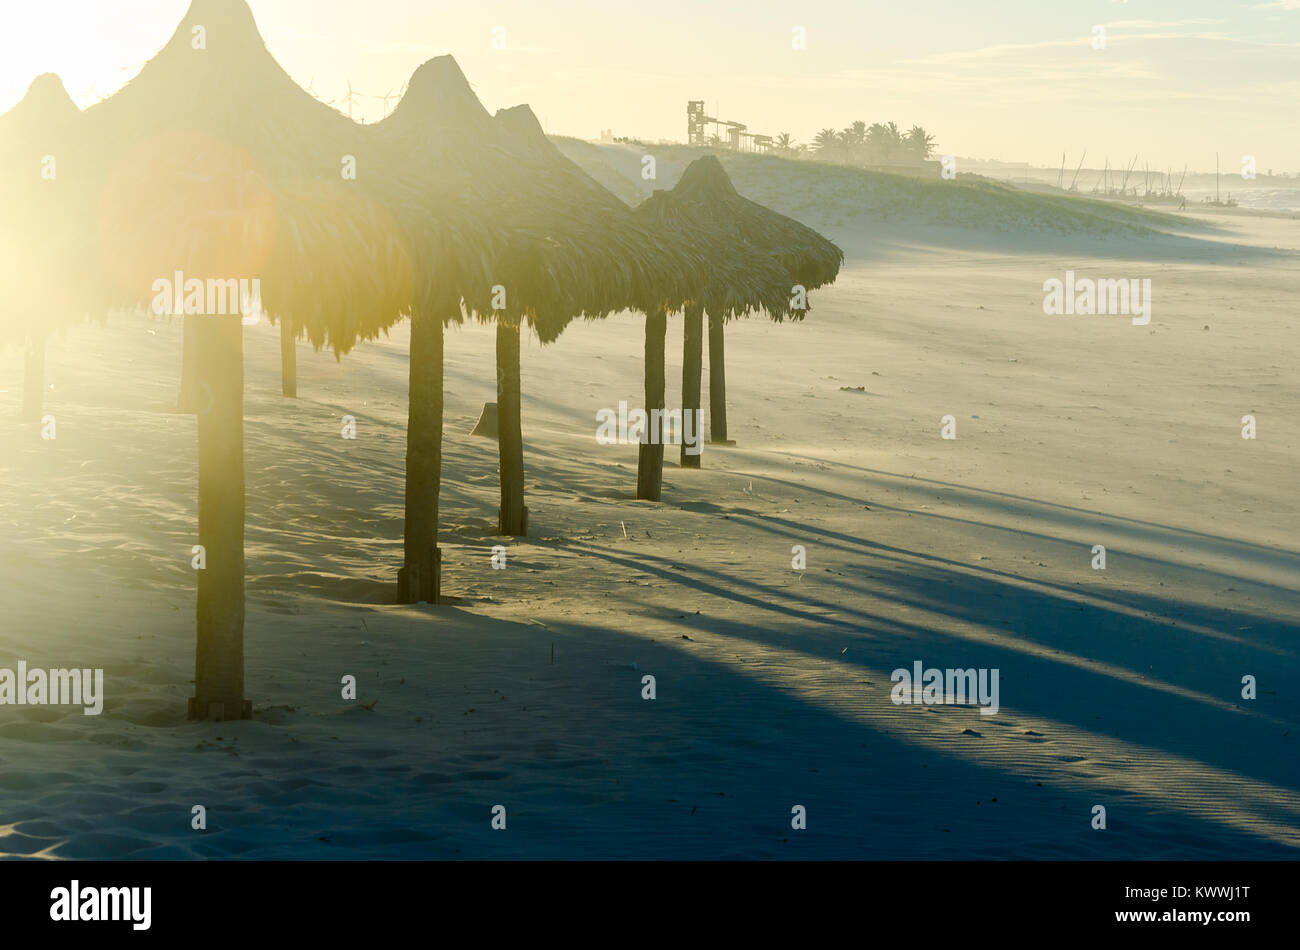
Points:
(432, 166)
(581, 239)
(39, 229)
(510, 210)
(739, 279)
(214, 163)
(706, 207)
(40, 118)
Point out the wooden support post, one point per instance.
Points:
(650, 456)
(288, 358)
(188, 400)
(512, 516)
(692, 370)
(717, 383)
(219, 658)
(420, 579)
(34, 378)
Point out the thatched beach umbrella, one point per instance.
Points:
(39, 233)
(576, 251)
(433, 140)
(214, 177)
(739, 280)
(706, 195)
(531, 242)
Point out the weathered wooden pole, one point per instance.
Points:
(420, 579)
(188, 400)
(34, 378)
(717, 383)
(288, 358)
(219, 658)
(512, 517)
(692, 370)
(650, 456)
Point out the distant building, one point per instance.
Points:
(737, 137)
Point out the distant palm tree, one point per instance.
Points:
(876, 142)
(884, 141)
(918, 143)
(854, 139)
(784, 143)
(827, 143)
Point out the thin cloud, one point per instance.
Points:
(1005, 50)
(1158, 24)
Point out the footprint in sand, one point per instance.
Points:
(1030, 736)
(17, 844)
(103, 845)
(431, 778)
(368, 753)
(21, 781)
(36, 732)
(146, 788)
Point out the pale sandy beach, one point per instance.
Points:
(1120, 688)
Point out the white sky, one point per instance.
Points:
(1012, 79)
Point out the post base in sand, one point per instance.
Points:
(503, 528)
(724, 443)
(217, 712)
(421, 581)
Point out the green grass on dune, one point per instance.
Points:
(825, 195)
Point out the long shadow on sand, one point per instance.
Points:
(1144, 698)
(743, 751)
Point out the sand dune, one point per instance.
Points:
(829, 194)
